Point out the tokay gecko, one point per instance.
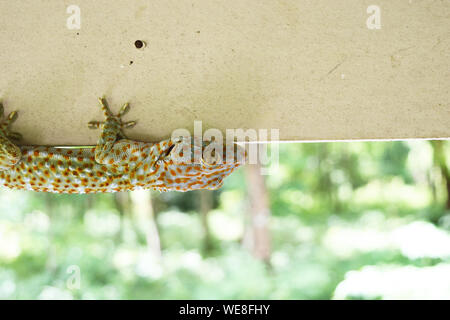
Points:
(114, 164)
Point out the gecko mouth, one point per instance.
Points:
(168, 151)
(163, 155)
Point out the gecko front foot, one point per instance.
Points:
(6, 122)
(107, 151)
(10, 153)
(112, 119)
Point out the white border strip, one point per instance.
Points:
(346, 140)
(285, 141)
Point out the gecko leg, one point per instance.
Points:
(110, 149)
(10, 153)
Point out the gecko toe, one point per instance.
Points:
(15, 136)
(104, 106)
(6, 122)
(124, 110)
(129, 124)
(95, 124)
(12, 117)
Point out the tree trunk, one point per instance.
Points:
(257, 235)
(86, 204)
(205, 206)
(123, 204)
(441, 162)
(50, 203)
(143, 210)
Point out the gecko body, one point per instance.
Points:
(115, 164)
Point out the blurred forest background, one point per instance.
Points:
(356, 220)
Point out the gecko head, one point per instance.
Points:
(191, 165)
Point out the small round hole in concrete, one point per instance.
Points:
(139, 44)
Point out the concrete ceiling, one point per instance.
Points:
(312, 69)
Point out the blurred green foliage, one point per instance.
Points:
(348, 220)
